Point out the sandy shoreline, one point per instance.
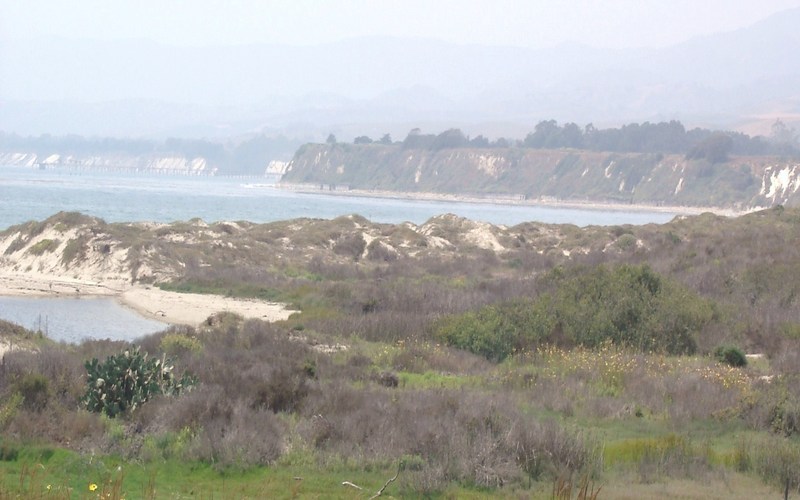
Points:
(193, 309)
(150, 302)
(511, 201)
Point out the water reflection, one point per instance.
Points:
(75, 319)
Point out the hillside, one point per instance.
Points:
(490, 361)
(743, 182)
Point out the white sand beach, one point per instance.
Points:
(192, 308)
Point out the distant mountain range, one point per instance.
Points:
(741, 79)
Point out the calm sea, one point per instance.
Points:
(32, 194)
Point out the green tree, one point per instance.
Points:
(451, 138)
(715, 148)
(782, 134)
(544, 135)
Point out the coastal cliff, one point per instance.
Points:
(742, 182)
(173, 164)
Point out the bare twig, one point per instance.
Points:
(380, 491)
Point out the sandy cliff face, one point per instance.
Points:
(741, 183)
(112, 162)
(780, 182)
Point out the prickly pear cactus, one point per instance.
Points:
(125, 381)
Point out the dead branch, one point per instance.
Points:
(380, 491)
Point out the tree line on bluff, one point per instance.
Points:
(251, 154)
(663, 137)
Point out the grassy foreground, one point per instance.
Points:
(584, 423)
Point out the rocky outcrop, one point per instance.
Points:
(742, 183)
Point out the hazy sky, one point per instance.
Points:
(526, 23)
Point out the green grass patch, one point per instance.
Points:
(635, 450)
(433, 380)
(43, 472)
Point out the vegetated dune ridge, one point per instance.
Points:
(741, 183)
(71, 254)
(247, 268)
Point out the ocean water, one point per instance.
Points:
(32, 194)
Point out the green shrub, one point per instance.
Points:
(43, 247)
(494, 332)
(35, 391)
(127, 380)
(730, 355)
(8, 409)
(350, 246)
(75, 249)
(626, 241)
(9, 452)
(631, 306)
(377, 251)
(177, 343)
(16, 245)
